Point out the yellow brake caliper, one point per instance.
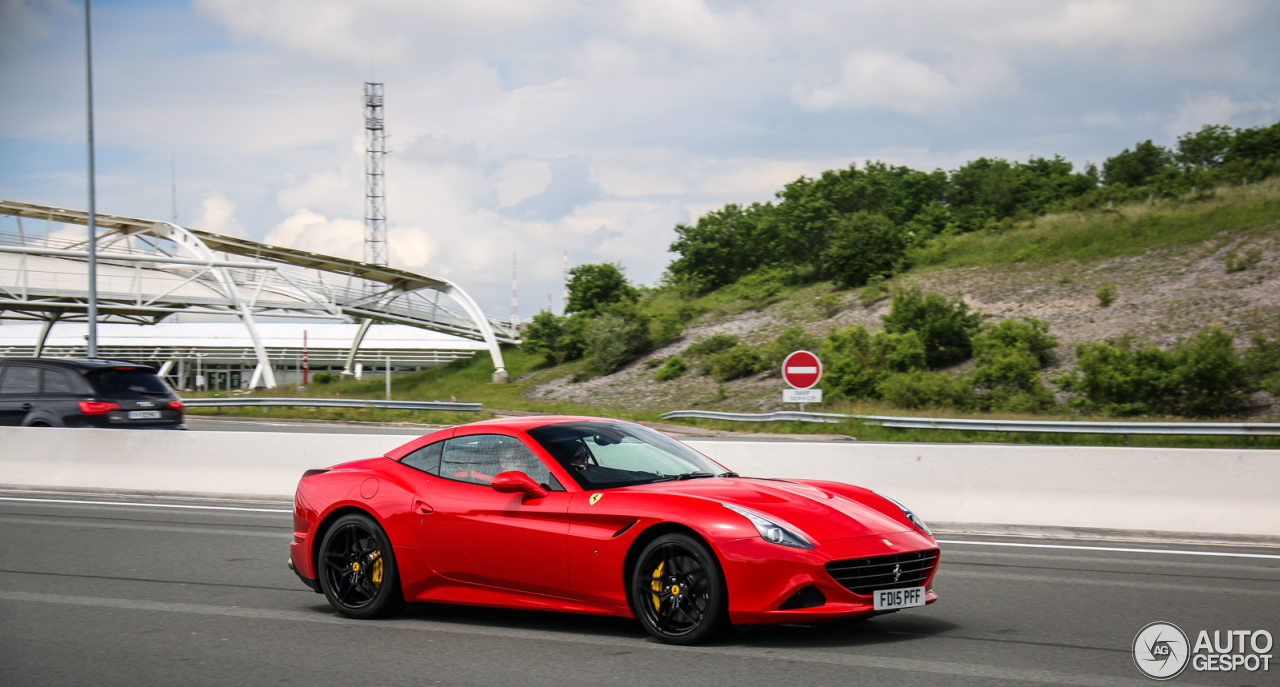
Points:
(376, 575)
(656, 585)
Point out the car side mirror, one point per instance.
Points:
(514, 482)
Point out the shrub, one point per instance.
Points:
(829, 305)
(1027, 334)
(1200, 375)
(323, 378)
(556, 338)
(919, 389)
(710, 346)
(614, 340)
(856, 361)
(734, 363)
(873, 292)
(794, 339)
(1240, 263)
(945, 326)
(1106, 294)
(674, 367)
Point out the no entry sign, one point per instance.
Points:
(801, 370)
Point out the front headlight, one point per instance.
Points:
(770, 530)
(915, 519)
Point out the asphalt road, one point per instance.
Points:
(195, 592)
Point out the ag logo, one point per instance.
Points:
(1161, 651)
(594, 498)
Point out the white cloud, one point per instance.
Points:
(521, 179)
(1199, 109)
(872, 79)
(217, 214)
(546, 125)
(311, 231)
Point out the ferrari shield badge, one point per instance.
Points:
(594, 498)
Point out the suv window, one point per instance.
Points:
(20, 379)
(128, 382)
(57, 382)
(478, 457)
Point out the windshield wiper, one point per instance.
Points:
(728, 474)
(682, 476)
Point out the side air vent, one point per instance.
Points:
(806, 597)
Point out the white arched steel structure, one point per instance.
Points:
(150, 269)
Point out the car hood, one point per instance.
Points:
(817, 513)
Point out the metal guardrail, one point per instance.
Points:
(328, 403)
(1055, 426)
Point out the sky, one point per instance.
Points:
(540, 126)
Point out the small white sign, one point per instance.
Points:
(802, 395)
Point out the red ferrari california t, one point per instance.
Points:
(590, 515)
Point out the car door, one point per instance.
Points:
(19, 389)
(469, 532)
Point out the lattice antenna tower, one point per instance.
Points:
(375, 199)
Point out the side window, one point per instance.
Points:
(57, 382)
(20, 380)
(478, 457)
(426, 459)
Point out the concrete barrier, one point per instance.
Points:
(241, 463)
(1218, 491)
(1208, 491)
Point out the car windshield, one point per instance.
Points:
(599, 455)
(128, 382)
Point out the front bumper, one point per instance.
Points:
(762, 576)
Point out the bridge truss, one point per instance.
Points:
(151, 269)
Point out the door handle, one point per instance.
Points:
(26, 406)
(421, 506)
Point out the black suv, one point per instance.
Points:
(48, 392)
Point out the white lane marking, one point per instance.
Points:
(1050, 579)
(1111, 548)
(796, 370)
(90, 524)
(147, 505)
(1017, 675)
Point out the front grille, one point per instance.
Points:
(865, 575)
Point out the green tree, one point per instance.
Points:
(1137, 167)
(806, 220)
(1206, 148)
(944, 326)
(724, 246)
(863, 246)
(554, 337)
(592, 287)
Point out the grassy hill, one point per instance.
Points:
(1171, 267)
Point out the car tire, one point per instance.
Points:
(357, 569)
(678, 591)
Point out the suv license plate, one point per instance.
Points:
(144, 415)
(889, 599)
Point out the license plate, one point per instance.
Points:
(889, 599)
(144, 415)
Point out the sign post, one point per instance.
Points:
(801, 371)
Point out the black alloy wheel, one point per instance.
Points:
(358, 569)
(678, 590)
